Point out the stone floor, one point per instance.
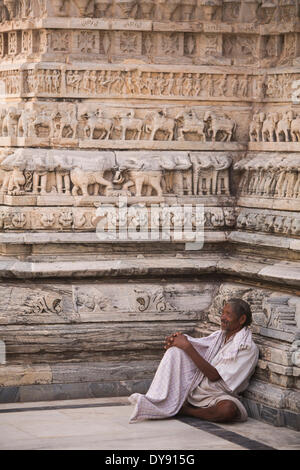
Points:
(103, 424)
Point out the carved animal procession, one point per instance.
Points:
(94, 173)
(65, 123)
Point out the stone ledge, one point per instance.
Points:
(37, 238)
(273, 395)
(15, 375)
(274, 334)
(71, 391)
(87, 23)
(274, 146)
(37, 142)
(260, 202)
(106, 268)
(284, 273)
(271, 415)
(264, 240)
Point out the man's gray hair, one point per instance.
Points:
(240, 307)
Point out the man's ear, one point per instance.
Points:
(242, 319)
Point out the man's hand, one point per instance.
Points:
(177, 339)
(181, 341)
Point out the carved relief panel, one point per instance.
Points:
(99, 302)
(62, 173)
(270, 175)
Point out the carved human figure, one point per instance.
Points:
(197, 84)
(147, 9)
(221, 85)
(73, 79)
(234, 84)
(244, 86)
(217, 217)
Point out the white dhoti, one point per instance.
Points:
(178, 379)
(169, 389)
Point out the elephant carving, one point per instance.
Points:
(210, 174)
(83, 179)
(153, 180)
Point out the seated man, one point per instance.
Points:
(202, 377)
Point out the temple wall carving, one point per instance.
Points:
(166, 107)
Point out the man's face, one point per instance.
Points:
(230, 321)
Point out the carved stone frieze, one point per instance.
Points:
(278, 222)
(265, 11)
(102, 302)
(84, 173)
(140, 42)
(143, 82)
(275, 127)
(127, 129)
(270, 175)
(39, 124)
(85, 219)
(269, 309)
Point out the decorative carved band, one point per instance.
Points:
(90, 123)
(129, 173)
(270, 175)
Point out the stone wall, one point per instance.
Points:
(165, 105)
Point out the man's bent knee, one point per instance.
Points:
(228, 411)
